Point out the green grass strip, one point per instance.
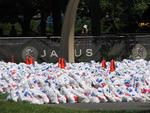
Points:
(25, 107)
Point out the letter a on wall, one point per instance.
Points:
(67, 32)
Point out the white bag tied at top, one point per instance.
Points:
(78, 82)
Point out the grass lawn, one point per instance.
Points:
(25, 107)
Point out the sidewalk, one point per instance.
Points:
(107, 106)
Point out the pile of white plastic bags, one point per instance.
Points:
(78, 82)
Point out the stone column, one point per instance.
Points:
(67, 33)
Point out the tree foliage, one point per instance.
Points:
(101, 16)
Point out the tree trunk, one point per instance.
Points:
(67, 33)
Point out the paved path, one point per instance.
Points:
(107, 106)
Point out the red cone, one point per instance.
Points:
(62, 63)
(31, 60)
(27, 60)
(112, 66)
(103, 63)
